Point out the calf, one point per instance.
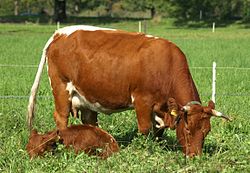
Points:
(85, 138)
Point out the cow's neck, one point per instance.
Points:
(184, 89)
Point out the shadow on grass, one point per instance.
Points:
(169, 143)
(212, 148)
(126, 139)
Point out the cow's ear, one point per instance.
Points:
(33, 132)
(208, 112)
(211, 104)
(172, 104)
(171, 101)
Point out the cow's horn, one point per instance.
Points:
(160, 121)
(219, 114)
(186, 108)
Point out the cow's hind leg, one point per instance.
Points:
(62, 106)
(62, 102)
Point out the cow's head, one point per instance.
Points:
(194, 125)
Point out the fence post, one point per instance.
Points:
(139, 26)
(214, 82)
(58, 25)
(213, 27)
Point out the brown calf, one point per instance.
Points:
(85, 138)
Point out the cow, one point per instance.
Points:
(90, 139)
(107, 70)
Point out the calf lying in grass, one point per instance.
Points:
(90, 139)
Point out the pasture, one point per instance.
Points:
(226, 148)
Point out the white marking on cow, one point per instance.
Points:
(76, 102)
(79, 101)
(150, 36)
(70, 29)
(160, 121)
(132, 99)
(70, 87)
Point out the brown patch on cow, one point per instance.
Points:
(90, 139)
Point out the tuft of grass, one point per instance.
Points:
(226, 149)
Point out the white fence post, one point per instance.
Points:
(58, 25)
(214, 82)
(139, 26)
(213, 27)
(200, 14)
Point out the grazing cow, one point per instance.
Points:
(106, 70)
(85, 138)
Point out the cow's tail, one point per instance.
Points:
(33, 92)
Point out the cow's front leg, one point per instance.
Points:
(89, 117)
(144, 116)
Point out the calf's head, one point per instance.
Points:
(194, 125)
(39, 143)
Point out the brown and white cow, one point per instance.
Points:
(104, 70)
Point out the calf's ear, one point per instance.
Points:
(33, 132)
(211, 104)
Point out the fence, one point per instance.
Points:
(213, 92)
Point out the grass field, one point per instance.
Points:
(226, 149)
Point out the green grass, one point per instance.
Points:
(226, 149)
